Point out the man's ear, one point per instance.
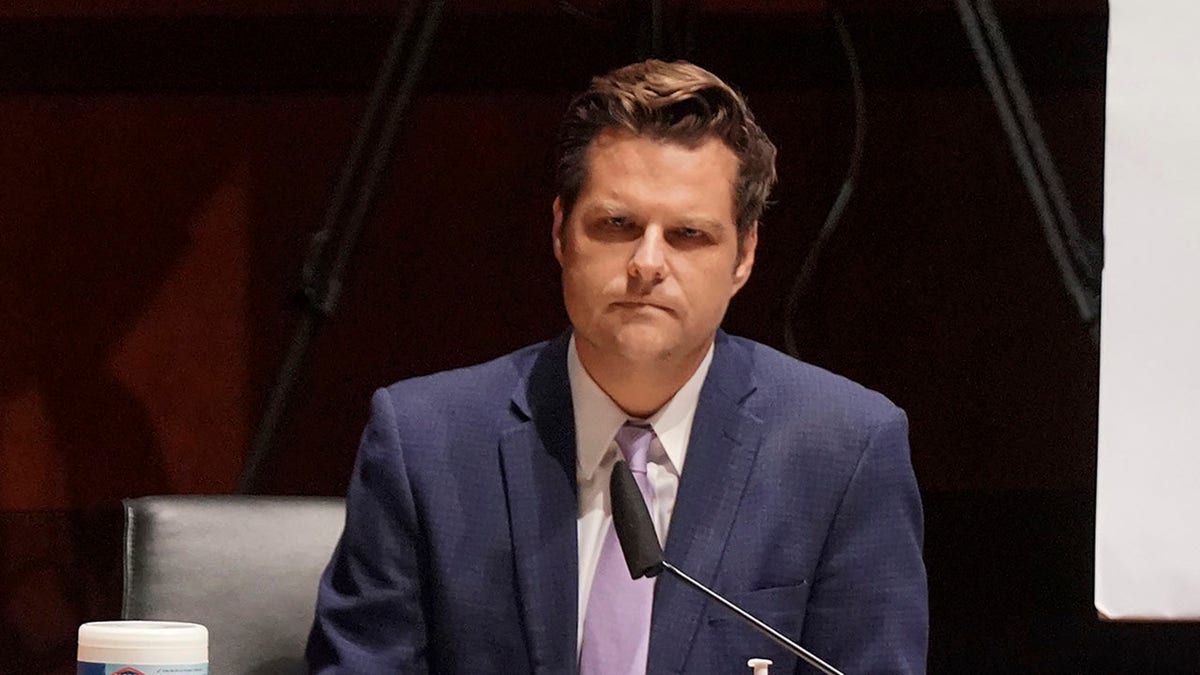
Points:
(557, 231)
(741, 272)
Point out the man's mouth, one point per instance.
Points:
(642, 304)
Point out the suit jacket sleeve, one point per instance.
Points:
(868, 608)
(369, 616)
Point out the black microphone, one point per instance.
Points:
(635, 529)
(644, 556)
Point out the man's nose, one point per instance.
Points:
(649, 261)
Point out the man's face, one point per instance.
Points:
(650, 253)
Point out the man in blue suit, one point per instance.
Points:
(478, 523)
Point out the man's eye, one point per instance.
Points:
(690, 235)
(619, 223)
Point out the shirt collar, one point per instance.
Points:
(598, 418)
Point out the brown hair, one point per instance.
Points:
(678, 102)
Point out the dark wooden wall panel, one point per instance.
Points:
(128, 258)
(128, 322)
(161, 183)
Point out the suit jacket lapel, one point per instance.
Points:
(721, 453)
(538, 460)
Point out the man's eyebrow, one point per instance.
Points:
(605, 209)
(702, 223)
(609, 209)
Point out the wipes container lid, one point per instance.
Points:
(143, 642)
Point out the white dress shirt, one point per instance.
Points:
(597, 419)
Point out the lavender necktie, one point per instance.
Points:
(616, 630)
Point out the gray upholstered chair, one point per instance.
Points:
(245, 567)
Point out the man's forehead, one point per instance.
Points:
(614, 149)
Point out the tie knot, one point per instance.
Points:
(634, 442)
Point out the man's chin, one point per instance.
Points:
(635, 344)
(641, 346)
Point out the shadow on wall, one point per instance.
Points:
(96, 217)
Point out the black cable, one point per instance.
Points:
(808, 268)
(569, 8)
(1039, 187)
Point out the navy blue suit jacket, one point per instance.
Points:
(459, 555)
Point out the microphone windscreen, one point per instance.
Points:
(635, 529)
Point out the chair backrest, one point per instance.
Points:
(245, 567)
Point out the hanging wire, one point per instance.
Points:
(803, 282)
(569, 8)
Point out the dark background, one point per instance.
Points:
(164, 163)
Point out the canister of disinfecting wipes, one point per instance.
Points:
(142, 648)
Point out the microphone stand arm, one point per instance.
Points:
(353, 196)
(781, 639)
